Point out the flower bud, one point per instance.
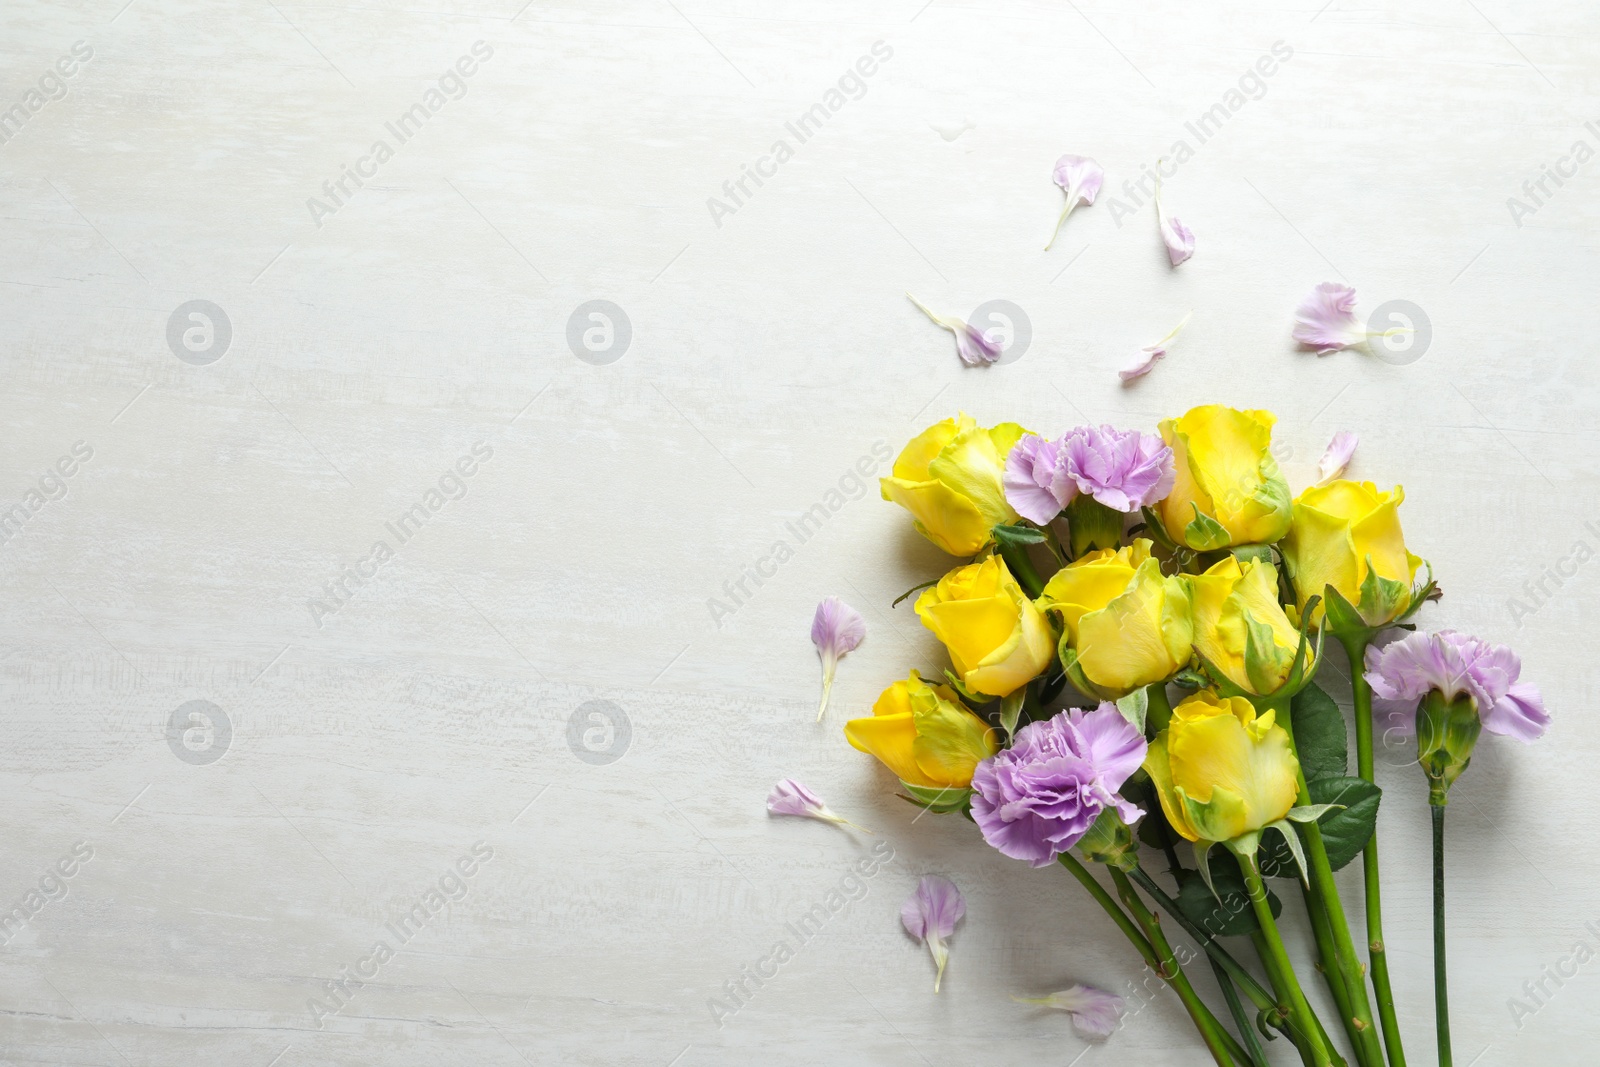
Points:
(1447, 731)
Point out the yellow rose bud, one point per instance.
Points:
(924, 734)
(1240, 627)
(949, 478)
(997, 638)
(1129, 624)
(1229, 490)
(1347, 535)
(1221, 770)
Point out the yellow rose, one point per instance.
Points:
(997, 639)
(1240, 627)
(1229, 490)
(949, 478)
(1221, 770)
(1343, 534)
(924, 734)
(1129, 624)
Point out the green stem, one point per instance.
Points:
(1224, 1049)
(1355, 648)
(1441, 988)
(1328, 964)
(1021, 568)
(1299, 1008)
(1325, 892)
(1275, 976)
(1118, 916)
(1247, 1032)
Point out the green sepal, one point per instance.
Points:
(1110, 841)
(1292, 839)
(1340, 616)
(1017, 535)
(1262, 657)
(1311, 812)
(973, 699)
(1380, 597)
(1158, 530)
(1091, 525)
(1205, 533)
(1246, 553)
(1011, 711)
(1189, 678)
(1346, 825)
(1226, 911)
(1135, 706)
(938, 800)
(919, 587)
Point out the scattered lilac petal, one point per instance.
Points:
(1178, 238)
(1080, 177)
(836, 628)
(1325, 319)
(930, 914)
(1030, 479)
(1037, 798)
(1337, 457)
(789, 797)
(1403, 671)
(1095, 1013)
(972, 344)
(1147, 356)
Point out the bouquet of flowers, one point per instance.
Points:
(1134, 635)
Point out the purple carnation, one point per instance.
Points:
(1402, 672)
(1123, 469)
(1038, 797)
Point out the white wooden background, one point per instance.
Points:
(369, 748)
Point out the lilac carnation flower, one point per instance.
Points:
(1123, 469)
(1403, 671)
(1038, 797)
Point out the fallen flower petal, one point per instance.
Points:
(789, 797)
(1094, 1011)
(930, 914)
(836, 628)
(1081, 178)
(1147, 356)
(1337, 457)
(1178, 238)
(1325, 319)
(972, 345)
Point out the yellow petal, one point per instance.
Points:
(942, 515)
(972, 467)
(912, 463)
(1130, 642)
(892, 739)
(1156, 765)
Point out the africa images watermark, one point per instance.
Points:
(342, 587)
(1251, 85)
(52, 886)
(52, 86)
(1565, 167)
(1565, 568)
(1538, 991)
(451, 886)
(751, 979)
(806, 126)
(51, 486)
(852, 485)
(452, 86)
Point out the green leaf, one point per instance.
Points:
(1017, 535)
(1228, 913)
(937, 800)
(1345, 830)
(1205, 533)
(1320, 739)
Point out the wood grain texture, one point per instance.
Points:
(373, 346)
